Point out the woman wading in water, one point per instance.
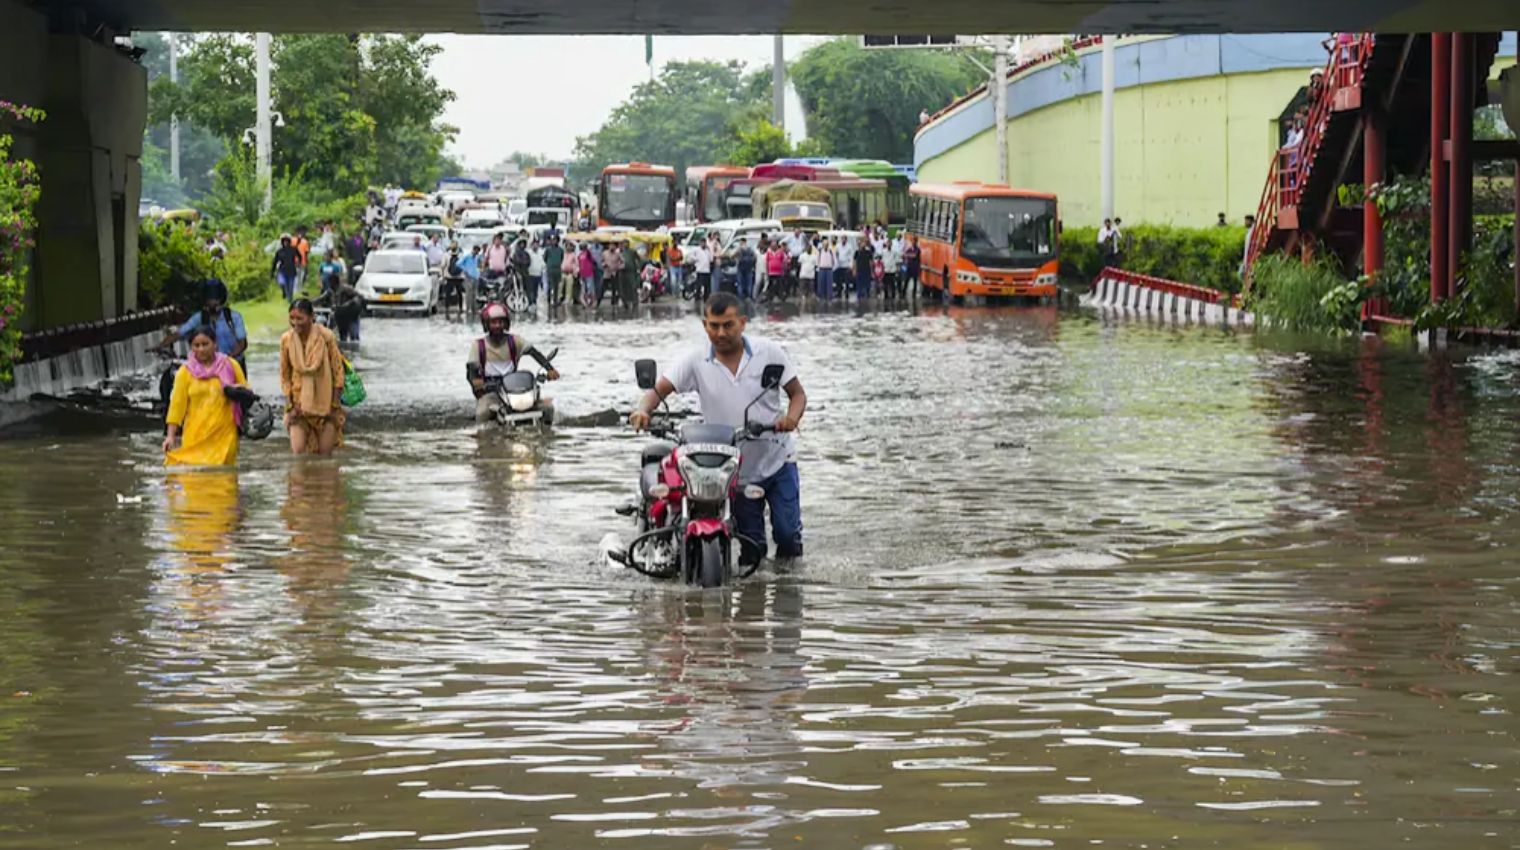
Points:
(311, 374)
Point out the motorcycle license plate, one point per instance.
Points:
(390, 297)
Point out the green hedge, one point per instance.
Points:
(1207, 256)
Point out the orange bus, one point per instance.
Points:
(704, 191)
(985, 239)
(637, 195)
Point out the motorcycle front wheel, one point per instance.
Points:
(708, 564)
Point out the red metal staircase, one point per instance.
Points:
(1299, 205)
(1300, 195)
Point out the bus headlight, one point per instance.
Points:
(1045, 280)
(967, 277)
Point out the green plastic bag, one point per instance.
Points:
(353, 385)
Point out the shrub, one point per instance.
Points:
(19, 189)
(171, 264)
(246, 270)
(1206, 256)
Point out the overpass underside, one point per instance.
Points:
(692, 17)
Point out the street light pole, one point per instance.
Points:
(1107, 145)
(261, 128)
(174, 119)
(778, 85)
(1000, 102)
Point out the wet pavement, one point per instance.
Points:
(1069, 583)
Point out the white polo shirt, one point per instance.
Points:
(723, 395)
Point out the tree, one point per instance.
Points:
(684, 117)
(356, 111)
(327, 130)
(757, 140)
(865, 103)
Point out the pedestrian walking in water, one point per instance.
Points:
(702, 266)
(536, 272)
(775, 271)
(745, 260)
(807, 271)
(913, 263)
(587, 269)
(311, 375)
(864, 259)
(286, 268)
(554, 271)
(827, 260)
(612, 270)
(675, 260)
(629, 279)
(202, 421)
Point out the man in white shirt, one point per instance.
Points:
(437, 252)
(701, 262)
(725, 375)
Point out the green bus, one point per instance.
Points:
(897, 184)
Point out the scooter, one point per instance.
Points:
(686, 488)
(521, 394)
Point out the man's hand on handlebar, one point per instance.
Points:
(639, 420)
(553, 374)
(785, 423)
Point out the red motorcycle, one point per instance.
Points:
(686, 485)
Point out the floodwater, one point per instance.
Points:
(1069, 583)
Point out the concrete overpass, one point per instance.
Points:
(792, 16)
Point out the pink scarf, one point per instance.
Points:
(220, 368)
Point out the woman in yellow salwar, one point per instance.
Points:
(203, 421)
(311, 374)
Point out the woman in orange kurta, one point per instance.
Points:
(311, 374)
(202, 421)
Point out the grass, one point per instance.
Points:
(267, 317)
(1312, 296)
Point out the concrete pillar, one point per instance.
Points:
(1459, 210)
(1373, 150)
(1440, 125)
(1000, 103)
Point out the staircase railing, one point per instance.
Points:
(1291, 167)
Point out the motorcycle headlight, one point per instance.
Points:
(521, 402)
(707, 483)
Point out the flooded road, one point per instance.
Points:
(1069, 583)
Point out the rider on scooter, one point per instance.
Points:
(726, 378)
(497, 354)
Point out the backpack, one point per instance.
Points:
(480, 352)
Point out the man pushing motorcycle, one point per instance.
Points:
(725, 375)
(497, 354)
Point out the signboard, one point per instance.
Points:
(873, 41)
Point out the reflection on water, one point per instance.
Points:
(1069, 582)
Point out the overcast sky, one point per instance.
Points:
(537, 93)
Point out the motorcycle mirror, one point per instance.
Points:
(771, 377)
(645, 372)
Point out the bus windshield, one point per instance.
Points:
(637, 197)
(712, 208)
(1000, 230)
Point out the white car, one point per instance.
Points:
(730, 231)
(398, 281)
(479, 219)
(517, 210)
(453, 199)
(428, 231)
(396, 240)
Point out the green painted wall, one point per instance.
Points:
(1186, 150)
